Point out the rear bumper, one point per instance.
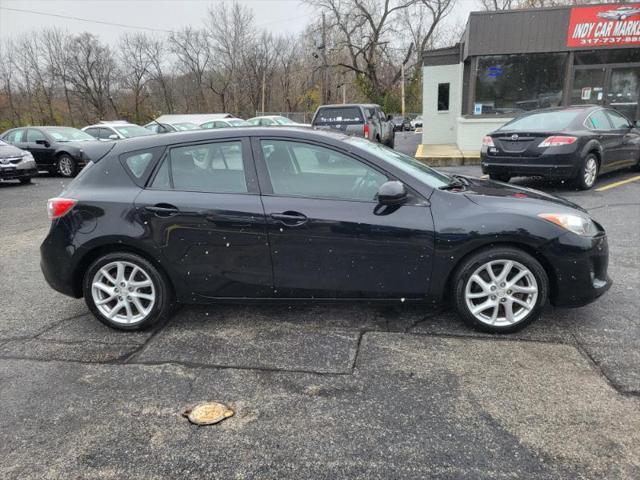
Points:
(556, 166)
(579, 266)
(17, 173)
(58, 259)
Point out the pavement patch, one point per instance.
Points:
(89, 352)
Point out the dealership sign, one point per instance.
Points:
(604, 25)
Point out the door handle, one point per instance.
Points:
(163, 210)
(290, 219)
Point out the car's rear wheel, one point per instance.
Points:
(588, 172)
(500, 290)
(500, 178)
(126, 292)
(67, 166)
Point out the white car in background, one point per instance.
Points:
(275, 120)
(416, 122)
(621, 13)
(116, 130)
(225, 123)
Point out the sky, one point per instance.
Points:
(289, 16)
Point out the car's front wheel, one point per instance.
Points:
(126, 292)
(500, 290)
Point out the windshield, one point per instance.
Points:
(68, 134)
(129, 131)
(181, 127)
(543, 121)
(407, 164)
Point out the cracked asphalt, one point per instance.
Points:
(320, 391)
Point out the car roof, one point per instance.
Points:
(111, 124)
(342, 105)
(189, 136)
(197, 118)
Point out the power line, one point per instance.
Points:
(136, 27)
(69, 17)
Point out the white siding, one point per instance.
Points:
(471, 130)
(440, 127)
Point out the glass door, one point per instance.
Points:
(588, 86)
(624, 90)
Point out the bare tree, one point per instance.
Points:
(136, 68)
(193, 53)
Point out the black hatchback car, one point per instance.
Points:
(575, 143)
(301, 215)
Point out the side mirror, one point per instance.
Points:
(113, 136)
(42, 142)
(392, 193)
(389, 117)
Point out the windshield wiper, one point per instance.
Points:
(453, 184)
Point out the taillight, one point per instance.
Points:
(365, 130)
(57, 207)
(557, 141)
(487, 141)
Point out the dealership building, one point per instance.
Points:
(513, 61)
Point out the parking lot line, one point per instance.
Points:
(617, 184)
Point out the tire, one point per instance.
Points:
(155, 304)
(67, 166)
(588, 172)
(25, 181)
(392, 142)
(500, 178)
(467, 291)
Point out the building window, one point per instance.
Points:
(443, 97)
(510, 84)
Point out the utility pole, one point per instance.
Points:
(402, 87)
(264, 82)
(344, 93)
(325, 84)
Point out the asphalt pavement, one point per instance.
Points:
(319, 391)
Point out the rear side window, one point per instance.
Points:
(213, 167)
(337, 115)
(15, 136)
(139, 164)
(598, 121)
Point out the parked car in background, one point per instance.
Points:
(225, 123)
(401, 123)
(361, 120)
(282, 213)
(16, 164)
(574, 143)
(620, 13)
(57, 149)
(165, 127)
(115, 130)
(416, 122)
(274, 121)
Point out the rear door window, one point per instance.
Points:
(16, 136)
(213, 167)
(338, 115)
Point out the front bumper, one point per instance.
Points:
(552, 166)
(580, 267)
(13, 173)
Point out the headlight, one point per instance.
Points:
(578, 224)
(26, 156)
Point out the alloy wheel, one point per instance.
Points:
(501, 293)
(65, 165)
(123, 292)
(590, 171)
